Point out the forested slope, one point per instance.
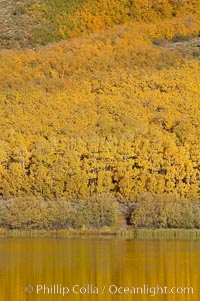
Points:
(106, 115)
(28, 23)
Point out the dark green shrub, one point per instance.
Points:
(60, 214)
(165, 212)
(97, 211)
(25, 213)
(149, 212)
(181, 38)
(32, 213)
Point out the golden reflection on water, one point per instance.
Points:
(99, 262)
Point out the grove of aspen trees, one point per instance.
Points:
(95, 112)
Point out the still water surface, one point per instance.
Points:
(93, 268)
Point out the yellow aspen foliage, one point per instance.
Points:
(114, 112)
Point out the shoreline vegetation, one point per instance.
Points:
(104, 233)
(99, 212)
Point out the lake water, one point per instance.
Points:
(99, 269)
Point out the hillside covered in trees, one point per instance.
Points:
(103, 115)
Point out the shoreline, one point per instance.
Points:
(123, 233)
